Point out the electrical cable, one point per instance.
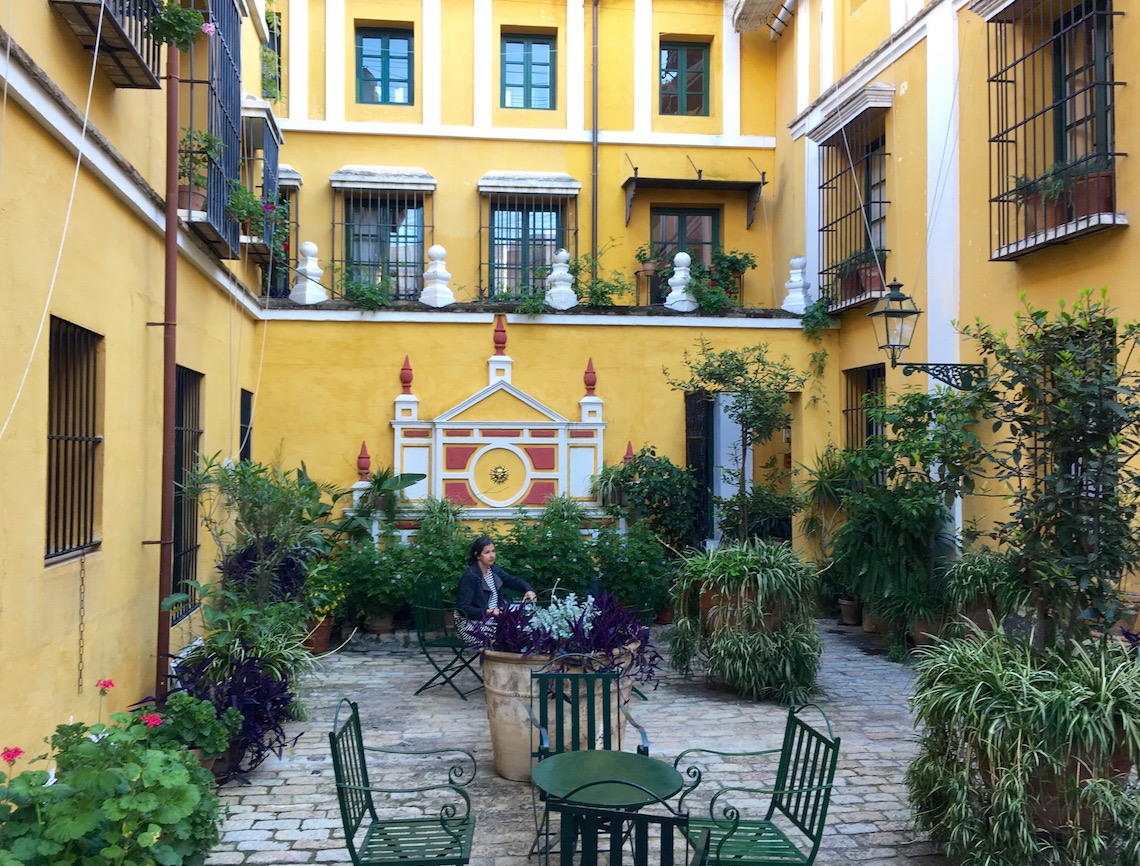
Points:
(66, 220)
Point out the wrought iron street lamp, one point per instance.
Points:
(894, 319)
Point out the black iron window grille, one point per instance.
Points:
(1052, 125)
(187, 438)
(380, 238)
(210, 149)
(74, 456)
(863, 385)
(277, 276)
(245, 428)
(519, 235)
(853, 211)
(125, 51)
(260, 169)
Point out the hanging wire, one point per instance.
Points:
(66, 218)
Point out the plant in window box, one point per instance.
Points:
(244, 207)
(649, 256)
(1043, 198)
(368, 293)
(196, 149)
(171, 23)
(861, 273)
(1092, 189)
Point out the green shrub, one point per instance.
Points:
(651, 487)
(376, 577)
(188, 722)
(633, 566)
(551, 548)
(439, 550)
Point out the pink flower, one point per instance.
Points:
(209, 28)
(104, 686)
(151, 720)
(10, 754)
(268, 208)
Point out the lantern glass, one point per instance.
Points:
(894, 319)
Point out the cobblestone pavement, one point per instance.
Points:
(288, 812)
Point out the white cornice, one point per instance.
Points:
(873, 96)
(990, 9)
(382, 177)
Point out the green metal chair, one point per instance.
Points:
(435, 827)
(594, 834)
(797, 800)
(442, 647)
(575, 703)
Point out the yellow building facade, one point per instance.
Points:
(855, 141)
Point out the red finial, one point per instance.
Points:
(500, 335)
(590, 378)
(406, 376)
(363, 462)
(628, 453)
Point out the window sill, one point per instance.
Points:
(1058, 235)
(860, 300)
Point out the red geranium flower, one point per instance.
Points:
(151, 720)
(10, 754)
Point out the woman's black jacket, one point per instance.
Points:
(474, 598)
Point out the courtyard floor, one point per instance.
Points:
(288, 811)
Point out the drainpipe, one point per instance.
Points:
(594, 151)
(169, 317)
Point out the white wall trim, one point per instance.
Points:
(730, 74)
(811, 217)
(485, 43)
(942, 188)
(826, 43)
(576, 53)
(504, 133)
(135, 195)
(335, 93)
(297, 32)
(630, 321)
(431, 62)
(803, 55)
(644, 67)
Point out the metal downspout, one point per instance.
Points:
(169, 317)
(594, 150)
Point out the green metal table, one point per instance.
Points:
(560, 774)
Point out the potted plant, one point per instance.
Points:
(171, 23)
(244, 207)
(1043, 198)
(526, 637)
(1092, 187)
(323, 597)
(647, 255)
(374, 579)
(189, 722)
(196, 150)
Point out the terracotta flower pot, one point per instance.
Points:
(850, 611)
(191, 198)
(317, 640)
(379, 623)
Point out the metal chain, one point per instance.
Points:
(82, 613)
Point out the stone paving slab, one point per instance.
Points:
(288, 812)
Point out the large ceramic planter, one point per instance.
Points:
(506, 686)
(317, 640)
(850, 611)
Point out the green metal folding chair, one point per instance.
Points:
(442, 647)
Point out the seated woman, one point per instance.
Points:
(479, 590)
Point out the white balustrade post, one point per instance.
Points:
(437, 293)
(308, 289)
(679, 298)
(796, 300)
(559, 294)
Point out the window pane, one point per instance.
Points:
(540, 52)
(695, 59)
(540, 99)
(698, 229)
(514, 50)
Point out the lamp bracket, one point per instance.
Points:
(961, 376)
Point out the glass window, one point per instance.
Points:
(682, 230)
(524, 238)
(528, 72)
(384, 234)
(384, 67)
(684, 78)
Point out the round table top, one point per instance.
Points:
(560, 774)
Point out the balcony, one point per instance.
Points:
(124, 51)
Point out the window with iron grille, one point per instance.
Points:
(1052, 126)
(684, 78)
(271, 58)
(379, 240)
(210, 147)
(245, 430)
(527, 72)
(187, 437)
(384, 69)
(862, 384)
(277, 276)
(522, 233)
(125, 51)
(853, 211)
(74, 456)
(695, 231)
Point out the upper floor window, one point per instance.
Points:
(528, 71)
(853, 211)
(271, 58)
(382, 227)
(384, 66)
(74, 455)
(684, 78)
(1052, 124)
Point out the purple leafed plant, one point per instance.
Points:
(602, 628)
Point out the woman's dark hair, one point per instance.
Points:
(477, 547)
